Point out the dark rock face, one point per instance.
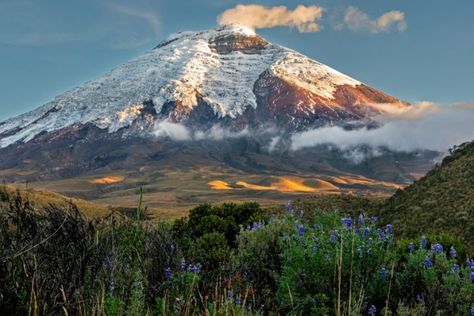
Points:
(233, 42)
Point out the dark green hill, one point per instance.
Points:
(441, 201)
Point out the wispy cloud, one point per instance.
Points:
(359, 21)
(422, 127)
(303, 18)
(150, 17)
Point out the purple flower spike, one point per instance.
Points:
(388, 229)
(452, 252)
(366, 232)
(423, 242)
(347, 222)
(360, 219)
(437, 248)
(301, 230)
(428, 263)
(168, 273)
(411, 247)
(372, 310)
(383, 273)
(183, 264)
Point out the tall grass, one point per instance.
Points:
(225, 260)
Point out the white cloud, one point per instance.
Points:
(424, 127)
(304, 18)
(175, 131)
(359, 21)
(147, 16)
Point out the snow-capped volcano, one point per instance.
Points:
(228, 75)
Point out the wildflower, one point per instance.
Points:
(288, 206)
(383, 273)
(374, 219)
(455, 267)
(333, 236)
(470, 263)
(372, 310)
(366, 232)
(347, 221)
(301, 229)
(419, 298)
(301, 213)
(357, 229)
(437, 248)
(452, 252)
(388, 229)
(168, 273)
(471, 276)
(183, 264)
(360, 219)
(411, 247)
(229, 294)
(428, 263)
(380, 233)
(195, 268)
(423, 242)
(472, 311)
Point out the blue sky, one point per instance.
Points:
(423, 53)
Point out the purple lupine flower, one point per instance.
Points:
(419, 298)
(372, 310)
(374, 219)
(452, 252)
(237, 300)
(360, 219)
(411, 247)
(388, 229)
(195, 268)
(230, 294)
(297, 224)
(357, 229)
(423, 242)
(455, 267)
(383, 273)
(428, 263)
(470, 263)
(347, 221)
(288, 206)
(472, 311)
(183, 264)
(301, 213)
(437, 248)
(380, 233)
(471, 276)
(366, 232)
(301, 229)
(168, 273)
(333, 236)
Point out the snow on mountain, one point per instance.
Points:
(219, 67)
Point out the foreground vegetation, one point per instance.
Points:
(225, 260)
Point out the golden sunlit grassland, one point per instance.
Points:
(171, 192)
